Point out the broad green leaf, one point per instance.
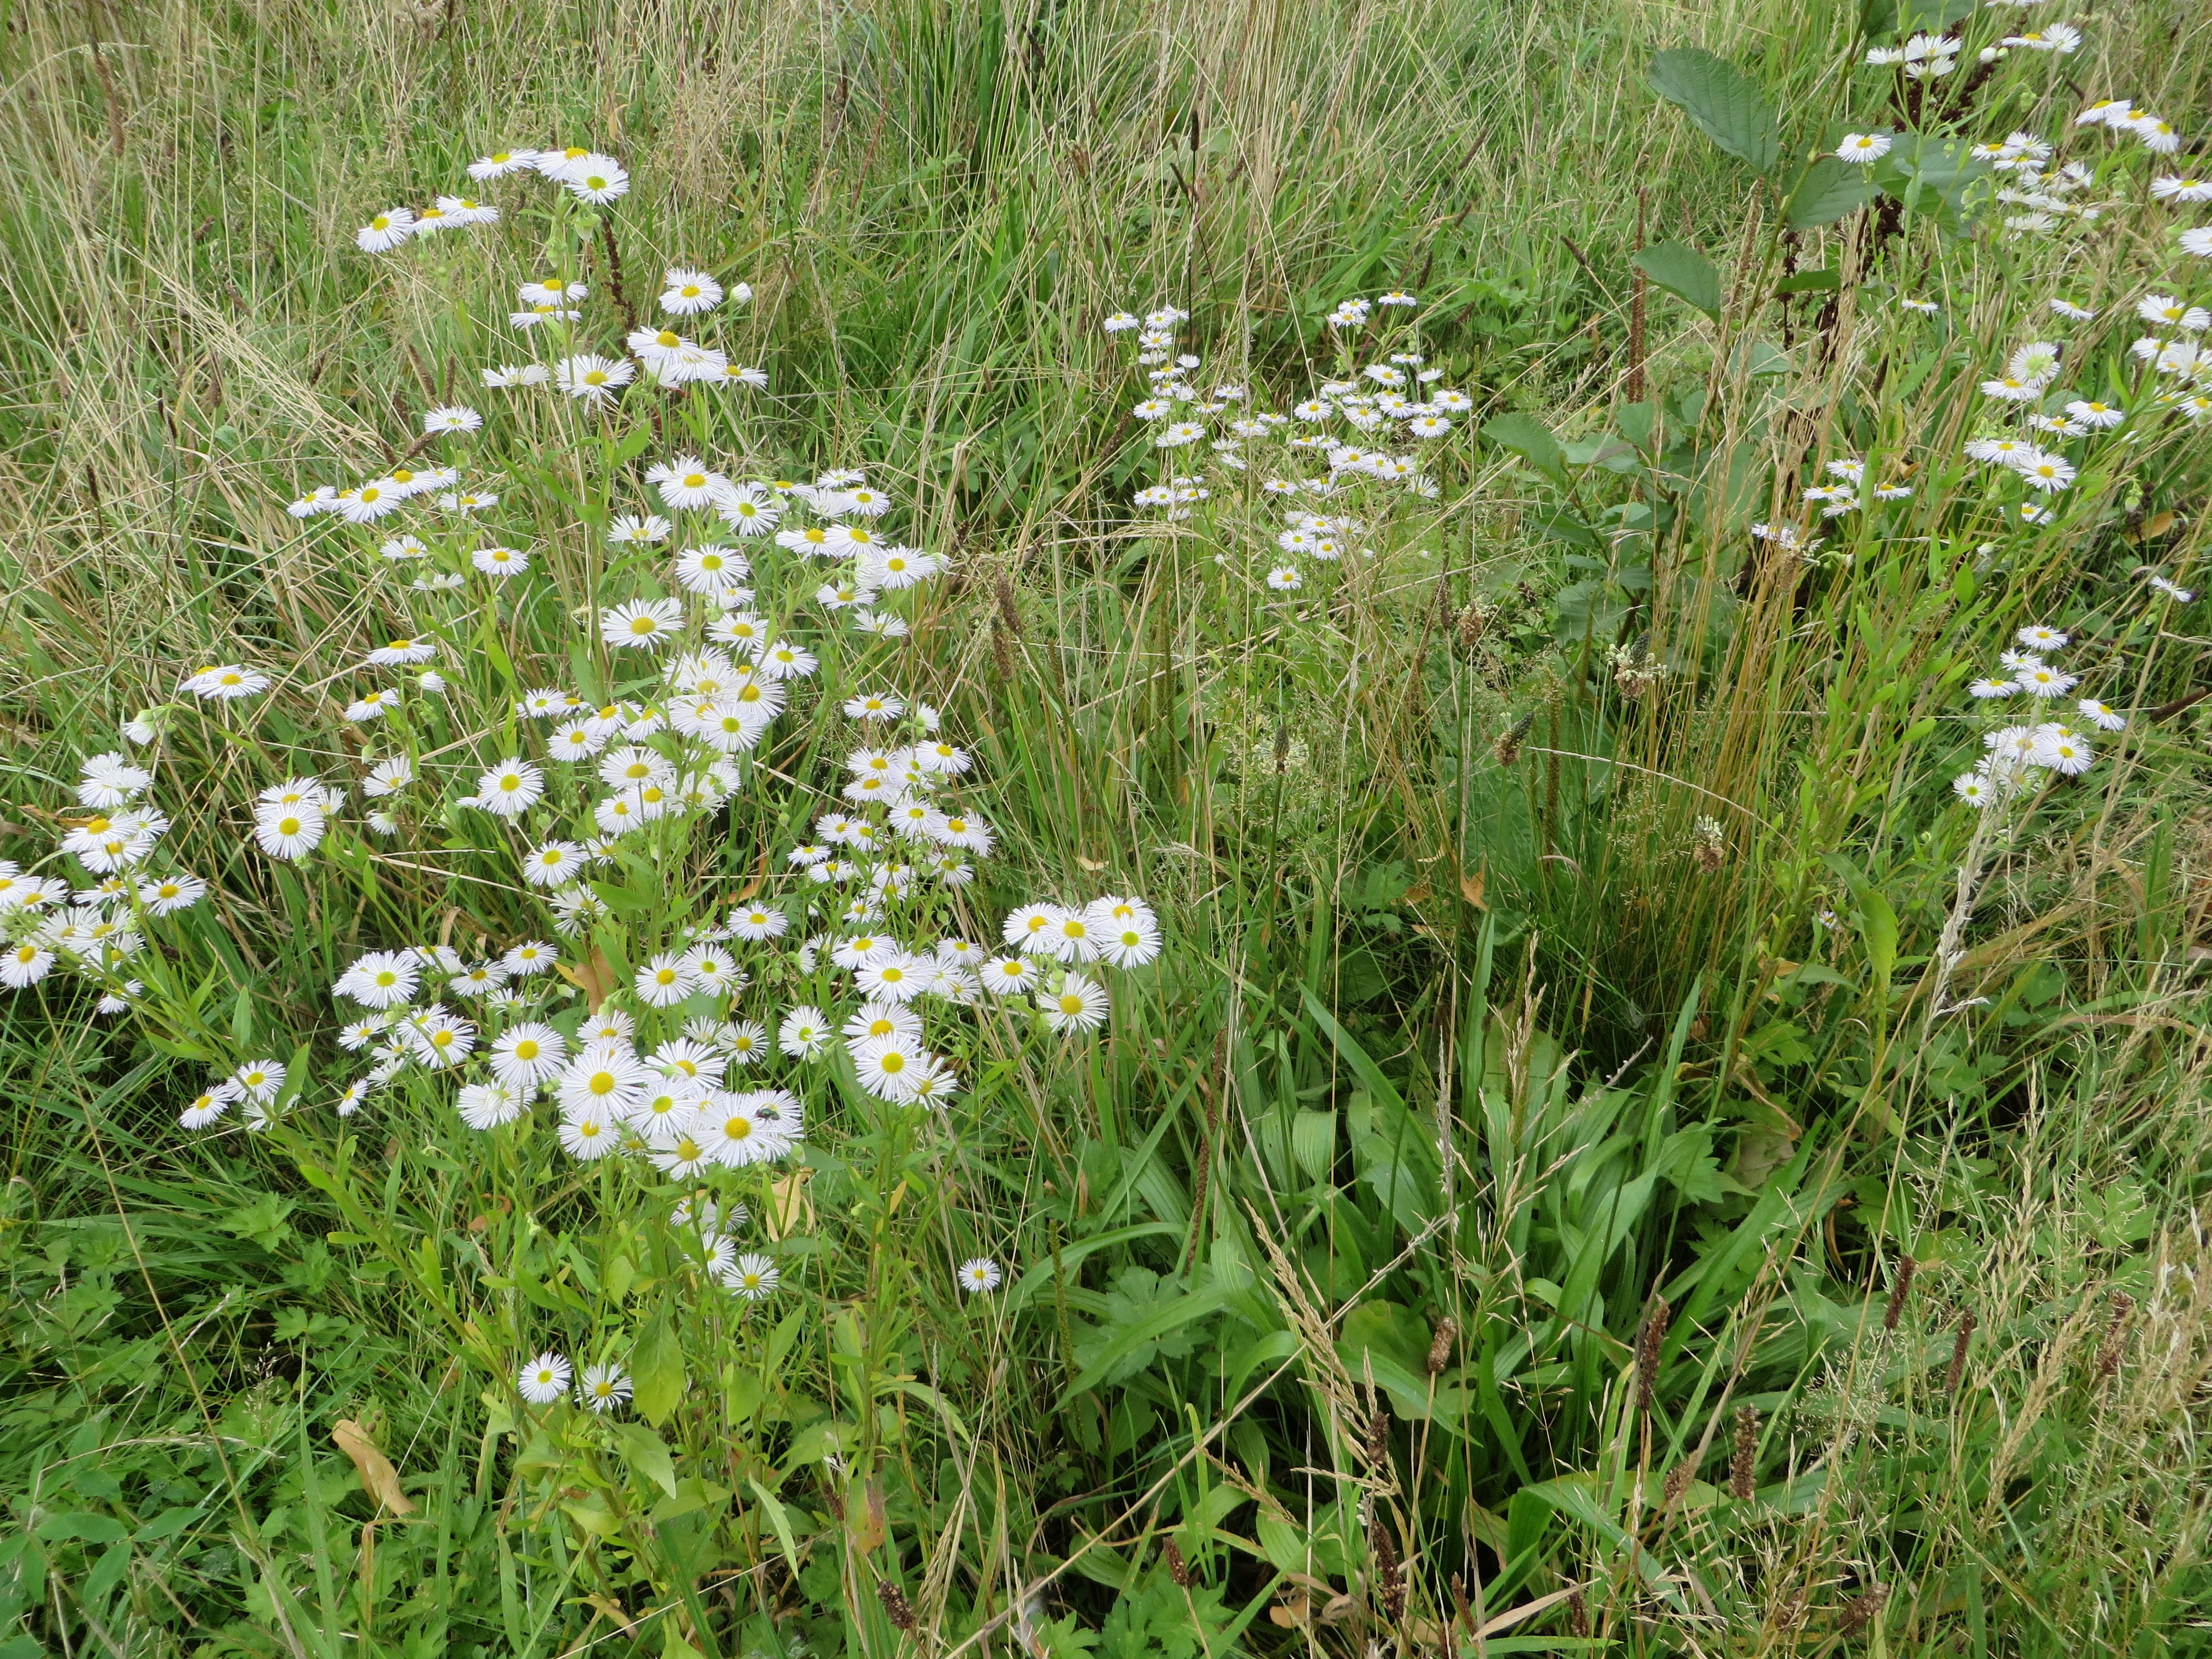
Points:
(1313, 1142)
(1824, 281)
(641, 1448)
(1724, 103)
(1529, 438)
(657, 1371)
(1830, 189)
(1684, 272)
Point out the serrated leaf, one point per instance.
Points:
(1722, 101)
(1830, 189)
(1684, 272)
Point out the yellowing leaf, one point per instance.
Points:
(377, 1477)
(788, 1210)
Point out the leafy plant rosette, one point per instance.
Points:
(614, 957)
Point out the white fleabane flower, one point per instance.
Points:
(1077, 1004)
(592, 379)
(603, 1389)
(386, 231)
(980, 1275)
(641, 624)
(753, 1277)
(289, 832)
(510, 788)
(594, 178)
(527, 1056)
(545, 1379)
(685, 292)
(663, 980)
(1862, 149)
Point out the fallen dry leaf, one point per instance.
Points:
(593, 977)
(377, 1477)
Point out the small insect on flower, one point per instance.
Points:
(980, 1276)
(603, 1389)
(545, 1379)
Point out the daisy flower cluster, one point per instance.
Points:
(657, 1015)
(2017, 756)
(585, 174)
(94, 929)
(1396, 396)
(1847, 488)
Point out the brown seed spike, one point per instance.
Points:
(1178, 1569)
(1440, 1351)
(1899, 1292)
(1648, 1342)
(1953, 1377)
(1741, 1465)
(897, 1607)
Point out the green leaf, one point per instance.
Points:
(1912, 16)
(1878, 924)
(1827, 280)
(1724, 104)
(656, 1370)
(780, 1521)
(1313, 1142)
(1830, 189)
(1684, 272)
(641, 1448)
(1530, 438)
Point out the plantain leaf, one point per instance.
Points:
(1724, 103)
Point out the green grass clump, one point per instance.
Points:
(1616, 1152)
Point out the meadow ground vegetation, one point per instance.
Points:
(944, 827)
